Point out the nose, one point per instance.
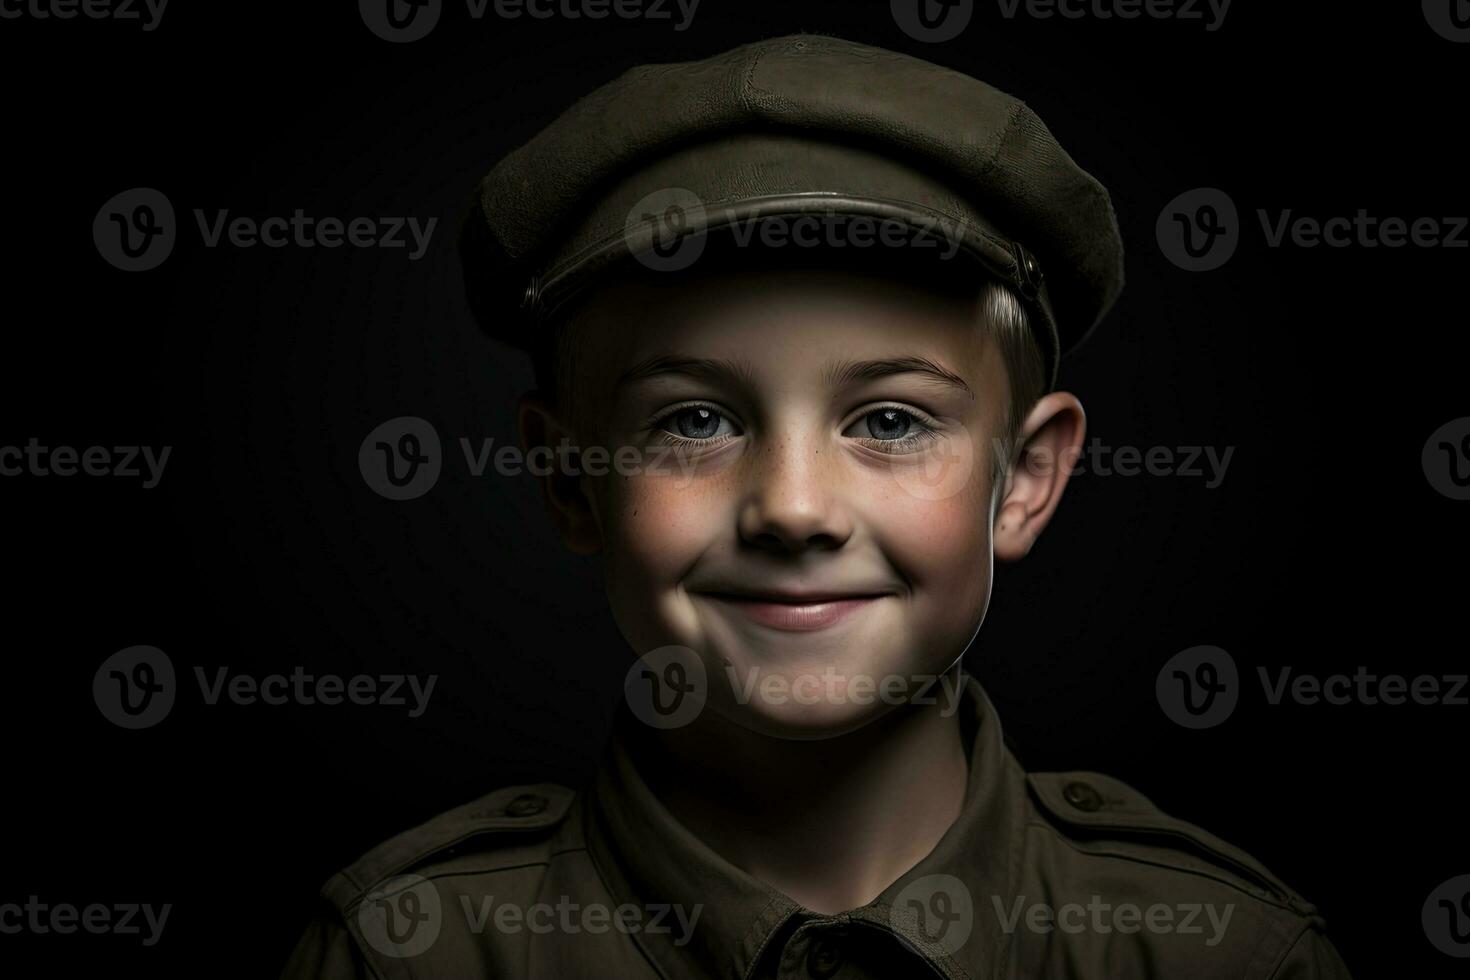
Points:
(794, 499)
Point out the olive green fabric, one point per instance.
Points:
(806, 124)
(1055, 875)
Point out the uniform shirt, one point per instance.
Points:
(1046, 875)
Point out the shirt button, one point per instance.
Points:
(823, 959)
(525, 805)
(1083, 797)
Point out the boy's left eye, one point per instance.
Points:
(888, 423)
(696, 423)
(891, 428)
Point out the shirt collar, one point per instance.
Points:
(648, 858)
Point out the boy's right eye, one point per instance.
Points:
(696, 422)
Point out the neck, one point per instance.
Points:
(831, 822)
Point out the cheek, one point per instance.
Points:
(941, 546)
(654, 528)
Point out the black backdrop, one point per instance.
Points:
(262, 548)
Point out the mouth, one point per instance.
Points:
(796, 613)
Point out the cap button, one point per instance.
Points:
(525, 805)
(1033, 269)
(1083, 797)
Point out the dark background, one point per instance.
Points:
(262, 549)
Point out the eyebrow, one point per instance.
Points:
(846, 372)
(837, 373)
(729, 371)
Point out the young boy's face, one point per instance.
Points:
(812, 510)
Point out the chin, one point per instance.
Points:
(803, 722)
(810, 694)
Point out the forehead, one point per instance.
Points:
(794, 325)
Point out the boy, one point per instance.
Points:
(783, 291)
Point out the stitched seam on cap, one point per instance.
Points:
(747, 84)
(1010, 128)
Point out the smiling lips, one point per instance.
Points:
(796, 613)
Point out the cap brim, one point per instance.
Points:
(792, 192)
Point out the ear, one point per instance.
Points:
(1050, 442)
(550, 445)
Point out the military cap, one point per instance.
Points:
(803, 125)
